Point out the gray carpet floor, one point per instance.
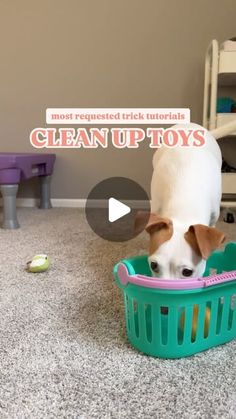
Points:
(63, 347)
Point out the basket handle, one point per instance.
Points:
(122, 275)
(124, 278)
(219, 278)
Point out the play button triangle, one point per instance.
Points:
(117, 210)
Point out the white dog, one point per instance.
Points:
(185, 205)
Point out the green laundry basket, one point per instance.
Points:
(159, 312)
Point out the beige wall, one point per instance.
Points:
(102, 53)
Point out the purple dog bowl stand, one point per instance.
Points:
(15, 167)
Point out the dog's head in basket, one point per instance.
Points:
(177, 250)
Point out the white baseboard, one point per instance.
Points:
(228, 204)
(56, 203)
(68, 203)
(73, 203)
(80, 203)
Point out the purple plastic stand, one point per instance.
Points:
(15, 167)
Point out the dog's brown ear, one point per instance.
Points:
(159, 228)
(157, 223)
(204, 239)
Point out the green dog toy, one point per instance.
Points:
(39, 263)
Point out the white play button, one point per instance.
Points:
(117, 210)
(111, 209)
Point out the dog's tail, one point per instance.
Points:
(223, 131)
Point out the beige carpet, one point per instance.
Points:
(63, 348)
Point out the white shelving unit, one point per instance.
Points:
(220, 70)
